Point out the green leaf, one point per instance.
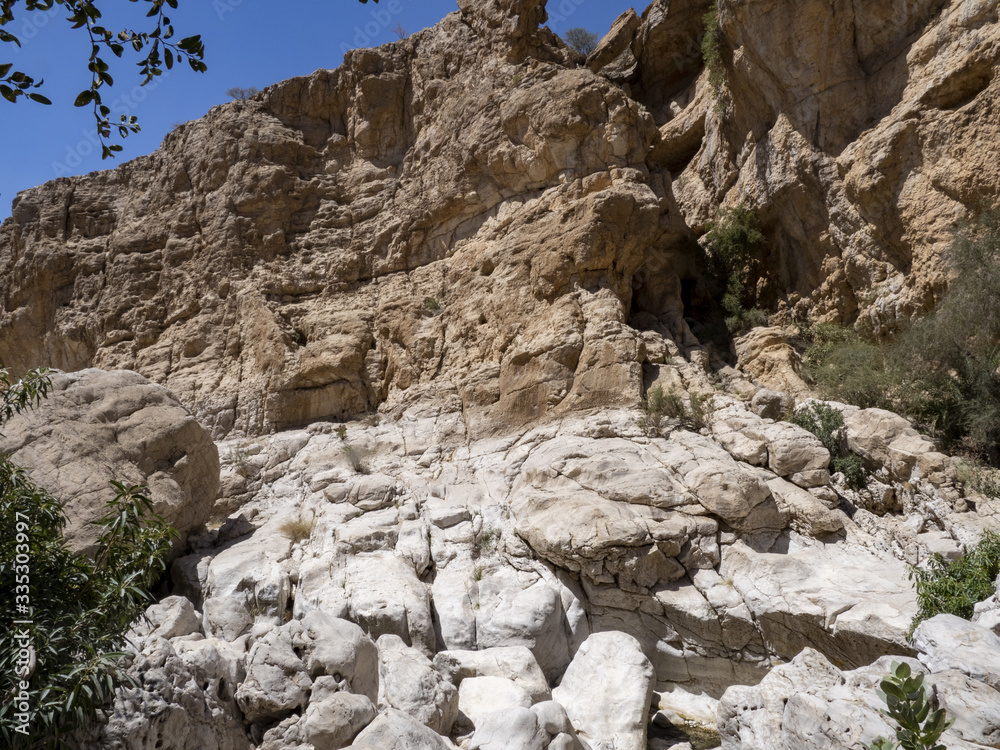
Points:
(39, 98)
(892, 690)
(84, 98)
(8, 93)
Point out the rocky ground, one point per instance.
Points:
(395, 581)
(410, 308)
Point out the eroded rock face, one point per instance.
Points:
(581, 558)
(464, 208)
(100, 426)
(485, 242)
(859, 133)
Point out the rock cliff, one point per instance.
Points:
(860, 133)
(472, 209)
(417, 300)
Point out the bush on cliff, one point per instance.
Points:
(64, 616)
(711, 52)
(736, 246)
(943, 371)
(827, 424)
(954, 588)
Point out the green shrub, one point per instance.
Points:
(711, 52)
(941, 372)
(432, 304)
(955, 351)
(906, 698)
(658, 406)
(979, 478)
(852, 467)
(955, 588)
(79, 608)
(827, 424)
(239, 457)
(736, 246)
(702, 406)
(845, 367)
(824, 422)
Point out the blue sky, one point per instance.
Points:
(248, 43)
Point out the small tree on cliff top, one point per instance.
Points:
(583, 41)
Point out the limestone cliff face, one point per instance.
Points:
(473, 214)
(861, 132)
(462, 211)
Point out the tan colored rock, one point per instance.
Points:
(616, 41)
(324, 250)
(859, 133)
(100, 426)
(766, 355)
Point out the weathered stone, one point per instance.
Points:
(514, 728)
(394, 730)
(610, 713)
(515, 663)
(409, 682)
(336, 720)
(97, 426)
(346, 208)
(949, 642)
(616, 41)
(183, 699)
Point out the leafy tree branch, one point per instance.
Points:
(156, 43)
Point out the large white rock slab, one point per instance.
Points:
(409, 682)
(394, 730)
(949, 642)
(607, 690)
(849, 603)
